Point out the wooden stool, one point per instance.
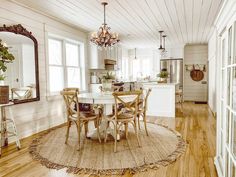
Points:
(6, 124)
(179, 94)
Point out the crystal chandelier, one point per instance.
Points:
(104, 37)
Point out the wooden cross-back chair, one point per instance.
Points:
(74, 115)
(143, 108)
(21, 93)
(126, 115)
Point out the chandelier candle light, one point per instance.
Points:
(104, 37)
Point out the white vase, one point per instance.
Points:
(1, 82)
(107, 86)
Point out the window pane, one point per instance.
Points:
(72, 55)
(227, 125)
(223, 54)
(83, 82)
(226, 163)
(232, 170)
(229, 45)
(234, 41)
(228, 85)
(124, 74)
(221, 144)
(222, 114)
(136, 69)
(233, 92)
(73, 77)
(223, 83)
(55, 52)
(233, 135)
(56, 78)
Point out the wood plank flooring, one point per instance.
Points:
(195, 122)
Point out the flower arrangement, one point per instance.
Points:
(163, 74)
(108, 76)
(5, 57)
(107, 82)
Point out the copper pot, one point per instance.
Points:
(196, 74)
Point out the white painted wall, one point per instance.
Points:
(212, 44)
(195, 91)
(177, 52)
(43, 114)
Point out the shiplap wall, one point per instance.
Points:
(212, 44)
(195, 91)
(33, 117)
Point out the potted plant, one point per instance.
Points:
(107, 82)
(163, 75)
(5, 57)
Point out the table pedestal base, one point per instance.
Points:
(102, 130)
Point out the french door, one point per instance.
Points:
(226, 129)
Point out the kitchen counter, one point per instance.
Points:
(161, 102)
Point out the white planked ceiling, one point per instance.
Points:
(138, 21)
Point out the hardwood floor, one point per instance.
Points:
(196, 124)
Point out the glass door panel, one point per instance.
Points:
(222, 114)
(233, 92)
(223, 53)
(234, 43)
(233, 135)
(227, 126)
(229, 45)
(223, 84)
(232, 169)
(228, 85)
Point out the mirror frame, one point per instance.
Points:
(19, 29)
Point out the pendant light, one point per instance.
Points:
(135, 53)
(164, 51)
(161, 48)
(164, 42)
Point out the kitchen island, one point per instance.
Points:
(161, 102)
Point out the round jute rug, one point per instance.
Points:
(162, 147)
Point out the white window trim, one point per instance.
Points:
(56, 95)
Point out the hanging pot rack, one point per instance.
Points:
(190, 67)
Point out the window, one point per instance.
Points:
(142, 67)
(125, 68)
(66, 65)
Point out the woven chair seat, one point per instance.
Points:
(85, 116)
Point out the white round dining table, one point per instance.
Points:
(106, 99)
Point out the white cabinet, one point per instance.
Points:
(114, 53)
(96, 57)
(165, 93)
